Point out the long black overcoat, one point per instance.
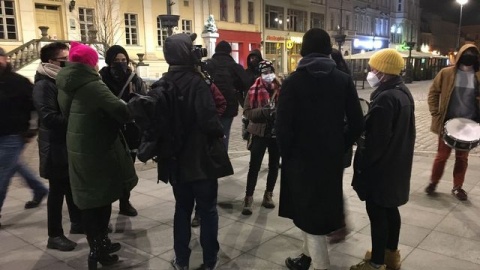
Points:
(313, 138)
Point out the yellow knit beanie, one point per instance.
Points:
(387, 61)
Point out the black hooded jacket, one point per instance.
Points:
(203, 155)
(252, 70)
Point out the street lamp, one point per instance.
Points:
(410, 45)
(461, 2)
(169, 21)
(340, 37)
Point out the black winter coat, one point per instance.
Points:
(231, 79)
(15, 103)
(203, 154)
(52, 133)
(130, 131)
(313, 138)
(382, 168)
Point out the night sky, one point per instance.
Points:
(450, 10)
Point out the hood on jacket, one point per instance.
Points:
(75, 75)
(257, 53)
(318, 65)
(178, 50)
(462, 51)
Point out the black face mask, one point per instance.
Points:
(62, 63)
(119, 70)
(468, 59)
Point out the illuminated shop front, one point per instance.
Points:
(283, 51)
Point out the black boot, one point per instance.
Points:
(99, 254)
(109, 246)
(302, 262)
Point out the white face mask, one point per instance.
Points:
(268, 78)
(372, 79)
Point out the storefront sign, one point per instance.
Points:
(289, 44)
(368, 44)
(275, 38)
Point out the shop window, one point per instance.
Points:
(8, 26)
(251, 12)
(131, 29)
(223, 10)
(273, 17)
(162, 33)
(238, 11)
(85, 20)
(187, 26)
(271, 48)
(296, 20)
(317, 20)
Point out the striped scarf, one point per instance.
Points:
(258, 94)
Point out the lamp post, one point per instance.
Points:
(410, 45)
(340, 37)
(461, 2)
(169, 21)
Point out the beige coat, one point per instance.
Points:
(441, 90)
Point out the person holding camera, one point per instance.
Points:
(259, 109)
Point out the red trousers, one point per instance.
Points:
(459, 169)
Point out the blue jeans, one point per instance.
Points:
(227, 124)
(10, 150)
(11, 147)
(204, 192)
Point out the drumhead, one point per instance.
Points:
(463, 129)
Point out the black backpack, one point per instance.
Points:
(158, 116)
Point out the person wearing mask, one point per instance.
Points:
(312, 138)
(52, 146)
(100, 166)
(253, 72)
(454, 93)
(259, 109)
(383, 164)
(16, 107)
(122, 81)
(231, 79)
(202, 158)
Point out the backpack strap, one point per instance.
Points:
(126, 84)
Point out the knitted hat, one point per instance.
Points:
(316, 40)
(265, 66)
(112, 52)
(224, 47)
(2, 52)
(387, 61)
(84, 54)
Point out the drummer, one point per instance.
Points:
(453, 94)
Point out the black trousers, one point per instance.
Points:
(124, 200)
(258, 146)
(95, 220)
(385, 229)
(60, 188)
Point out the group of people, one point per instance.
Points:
(87, 141)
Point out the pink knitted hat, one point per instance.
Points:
(80, 53)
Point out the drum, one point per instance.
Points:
(461, 134)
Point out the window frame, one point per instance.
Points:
(187, 24)
(223, 10)
(8, 21)
(85, 25)
(238, 11)
(251, 12)
(131, 29)
(162, 33)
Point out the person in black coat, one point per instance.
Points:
(312, 137)
(383, 165)
(17, 129)
(253, 72)
(231, 79)
(52, 146)
(203, 158)
(118, 76)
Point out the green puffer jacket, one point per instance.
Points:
(100, 166)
